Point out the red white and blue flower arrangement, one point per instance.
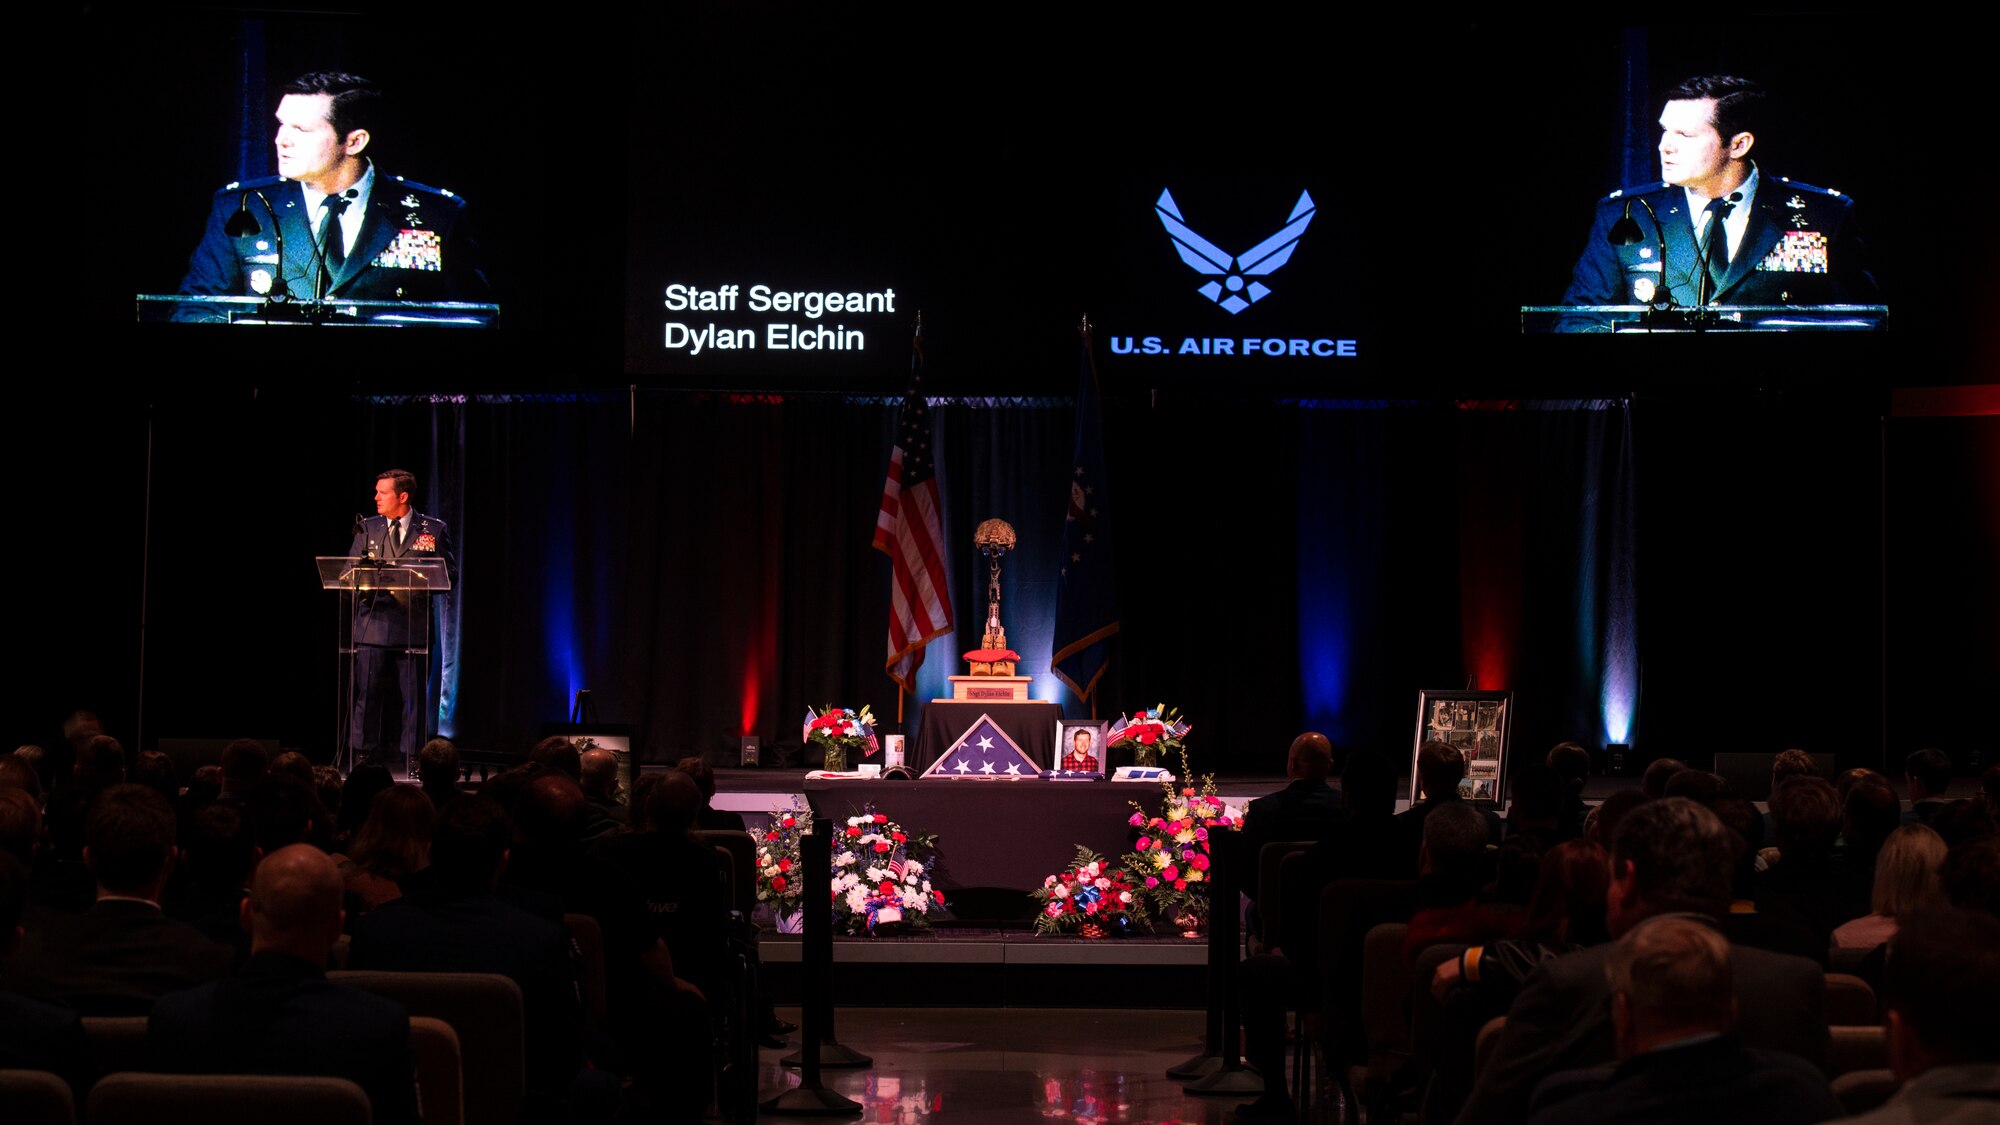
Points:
(1091, 899)
(1147, 733)
(778, 880)
(881, 875)
(841, 733)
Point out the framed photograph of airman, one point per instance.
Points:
(1479, 725)
(1079, 749)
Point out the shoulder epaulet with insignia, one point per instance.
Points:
(1641, 189)
(250, 185)
(429, 190)
(1800, 185)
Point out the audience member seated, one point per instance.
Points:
(598, 778)
(1926, 774)
(211, 882)
(1440, 767)
(34, 1035)
(551, 873)
(100, 764)
(122, 954)
(1941, 987)
(1654, 781)
(1360, 846)
(279, 1014)
(1673, 1018)
(244, 764)
(1602, 826)
(460, 925)
(327, 789)
(558, 753)
(1671, 856)
(1786, 765)
(357, 799)
(391, 853)
(1869, 812)
(1699, 786)
(155, 771)
(1807, 890)
(708, 818)
(1972, 876)
(1453, 864)
(680, 881)
(1571, 762)
(1305, 809)
(1565, 915)
(20, 825)
(294, 765)
(1908, 879)
(438, 768)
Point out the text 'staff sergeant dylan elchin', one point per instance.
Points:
(1777, 241)
(331, 225)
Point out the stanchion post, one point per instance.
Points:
(809, 1097)
(1225, 1021)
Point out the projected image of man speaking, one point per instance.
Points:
(1718, 229)
(332, 224)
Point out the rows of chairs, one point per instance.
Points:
(1366, 988)
(466, 1036)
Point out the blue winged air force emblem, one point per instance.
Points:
(1233, 292)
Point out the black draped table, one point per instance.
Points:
(1006, 834)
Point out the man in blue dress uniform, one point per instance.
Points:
(331, 224)
(395, 689)
(1718, 230)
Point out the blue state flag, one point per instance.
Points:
(1087, 587)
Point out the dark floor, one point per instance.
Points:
(1012, 1067)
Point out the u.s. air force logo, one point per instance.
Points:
(1260, 260)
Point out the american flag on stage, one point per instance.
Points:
(909, 529)
(984, 752)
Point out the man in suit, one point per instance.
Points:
(1673, 1014)
(1305, 809)
(279, 1014)
(1777, 242)
(395, 690)
(462, 926)
(331, 224)
(123, 953)
(1671, 857)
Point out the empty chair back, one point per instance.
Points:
(587, 937)
(1849, 1001)
(116, 1042)
(36, 1097)
(440, 1074)
(204, 1099)
(485, 1010)
(742, 867)
(1270, 896)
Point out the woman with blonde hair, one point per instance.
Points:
(1906, 881)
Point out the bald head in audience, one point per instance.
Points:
(294, 904)
(599, 776)
(1310, 758)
